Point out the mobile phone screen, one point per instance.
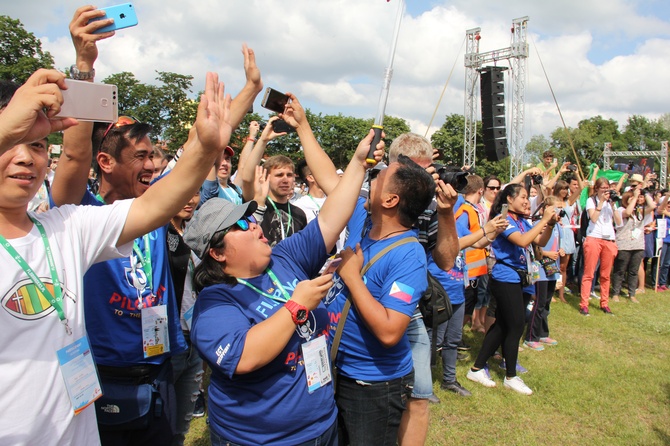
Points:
(274, 100)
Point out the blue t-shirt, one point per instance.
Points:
(397, 281)
(270, 405)
(453, 280)
(508, 253)
(113, 320)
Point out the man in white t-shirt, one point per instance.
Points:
(46, 255)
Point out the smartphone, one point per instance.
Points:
(331, 265)
(124, 17)
(274, 100)
(88, 101)
(281, 126)
(503, 211)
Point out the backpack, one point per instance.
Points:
(435, 307)
(584, 221)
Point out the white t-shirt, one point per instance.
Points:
(311, 207)
(603, 227)
(36, 408)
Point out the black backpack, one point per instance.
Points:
(435, 307)
(584, 220)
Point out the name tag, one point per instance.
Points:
(155, 334)
(317, 363)
(79, 373)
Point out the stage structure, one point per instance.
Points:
(517, 55)
(660, 155)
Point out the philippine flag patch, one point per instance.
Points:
(402, 292)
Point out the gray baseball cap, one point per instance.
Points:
(215, 215)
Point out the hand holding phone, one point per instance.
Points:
(274, 100)
(331, 265)
(281, 126)
(504, 210)
(88, 101)
(124, 17)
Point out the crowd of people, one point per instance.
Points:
(125, 284)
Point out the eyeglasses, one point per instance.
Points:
(121, 122)
(242, 223)
(493, 187)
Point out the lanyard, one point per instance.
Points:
(144, 258)
(314, 201)
(57, 300)
(281, 220)
(275, 282)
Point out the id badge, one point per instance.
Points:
(79, 373)
(317, 363)
(635, 233)
(155, 335)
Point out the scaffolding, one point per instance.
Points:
(661, 155)
(517, 55)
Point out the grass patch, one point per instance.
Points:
(607, 382)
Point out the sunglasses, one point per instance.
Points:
(242, 223)
(493, 187)
(121, 122)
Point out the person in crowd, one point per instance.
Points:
(129, 295)
(568, 210)
(548, 165)
(280, 218)
(160, 161)
(636, 211)
(491, 190)
(274, 335)
(512, 266)
(599, 245)
(437, 232)
(457, 280)
(537, 333)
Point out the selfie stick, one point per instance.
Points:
(379, 118)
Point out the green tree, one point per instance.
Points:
(537, 145)
(643, 134)
(21, 52)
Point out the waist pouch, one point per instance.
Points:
(129, 402)
(525, 277)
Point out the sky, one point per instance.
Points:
(601, 57)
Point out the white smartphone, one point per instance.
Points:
(88, 101)
(503, 211)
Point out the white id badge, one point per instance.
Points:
(317, 363)
(155, 335)
(79, 374)
(635, 233)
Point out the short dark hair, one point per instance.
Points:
(489, 178)
(303, 170)
(210, 271)
(475, 183)
(415, 188)
(7, 90)
(548, 154)
(511, 190)
(118, 138)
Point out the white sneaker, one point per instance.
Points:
(517, 385)
(481, 377)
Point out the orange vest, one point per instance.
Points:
(475, 258)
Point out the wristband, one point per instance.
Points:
(486, 236)
(249, 138)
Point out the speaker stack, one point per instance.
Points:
(492, 83)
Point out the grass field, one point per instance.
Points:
(607, 382)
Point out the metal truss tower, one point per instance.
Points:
(661, 155)
(517, 54)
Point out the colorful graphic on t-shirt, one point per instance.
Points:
(25, 301)
(402, 292)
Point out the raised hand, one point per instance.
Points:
(212, 124)
(261, 185)
(445, 196)
(310, 292)
(364, 147)
(29, 116)
(251, 71)
(83, 37)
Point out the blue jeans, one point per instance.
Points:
(483, 296)
(371, 411)
(328, 438)
(187, 372)
(420, 344)
(665, 265)
(449, 335)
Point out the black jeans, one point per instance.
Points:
(626, 262)
(538, 326)
(370, 411)
(508, 327)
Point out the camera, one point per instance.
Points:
(537, 179)
(458, 180)
(562, 213)
(261, 126)
(613, 195)
(572, 168)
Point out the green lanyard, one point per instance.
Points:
(57, 300)
(318, 206)
(275, 282)
(281, 220)
(144, 258)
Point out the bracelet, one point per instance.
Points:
(251, 139)
(486, 236)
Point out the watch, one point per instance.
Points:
(299, 312)
(81, 75)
